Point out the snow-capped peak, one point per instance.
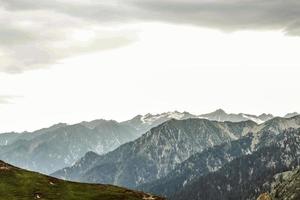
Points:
(253, 118)
(150, 118)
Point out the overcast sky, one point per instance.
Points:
(75, 60)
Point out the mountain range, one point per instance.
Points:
(221, 115)
(247, 176)
(170, 145)
(51, 149)
(156, 153)
(61, 145)
(174, 154)
(213, 159)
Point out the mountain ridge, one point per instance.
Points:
(212, 159)
(26, 149)
(162, 148)
(247, 176)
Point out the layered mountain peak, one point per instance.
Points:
(60, 146)
(54, 127)
(280, 123)
(161, 149)
(220, 111)
(155, 153)
(98, 122)
(150, 118)
(143, 123)
(232, 171)
(265, 116)
(221, 115)
(293, 114)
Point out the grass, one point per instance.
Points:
(18, 184)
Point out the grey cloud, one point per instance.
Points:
(24, 4)
(227, 15)
(31, 40)
(100, 11)
(47, 37)
(294, 28)
(10, 36)
(37, 55)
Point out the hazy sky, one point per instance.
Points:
(75, 60)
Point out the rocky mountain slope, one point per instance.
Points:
(247, 176)
(214, 158)
(20, 184)
(293, 114)
(9, 138)
(156, 153)
(199, 164)
(61, 145)
(48, 150)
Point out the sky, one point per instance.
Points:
(75, 60)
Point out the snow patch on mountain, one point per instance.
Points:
(253, 118)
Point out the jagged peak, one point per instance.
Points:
(265, 115)
(220, 111)
(171, 114)
(293, 114)
(216, 112)
(98, 122)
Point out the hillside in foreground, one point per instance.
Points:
(19, 184)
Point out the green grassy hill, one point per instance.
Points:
(19, 184)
